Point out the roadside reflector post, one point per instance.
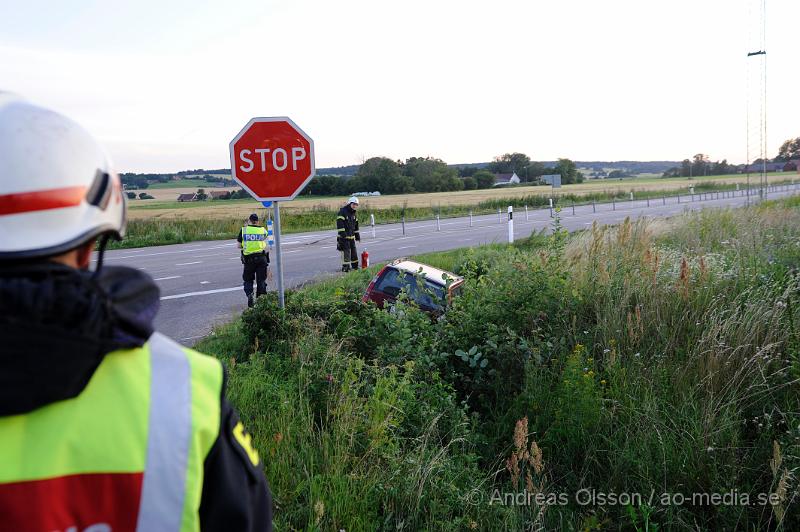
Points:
(551, 207)
(403, 223)
(470, 218)
(573, 208)
(510, 224)
(594, 206)
(372, 222)
(526, 213)
(648, 202)
(631, 195)
(664, 199)
(438, 225)
(613, 204)
(499, 216)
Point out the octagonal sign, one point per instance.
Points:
(272, 158)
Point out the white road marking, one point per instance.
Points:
(204, 293)
(406, 247)
(205, 282)
(188, 263)
(166, 278)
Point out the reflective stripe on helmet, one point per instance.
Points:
(41, 200)
(169, 434)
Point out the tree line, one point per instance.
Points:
(701, 164)
(430, 174)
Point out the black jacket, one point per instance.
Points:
(347, 223)
(57, 324)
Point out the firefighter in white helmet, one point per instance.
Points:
(347, 234)
(102, 421)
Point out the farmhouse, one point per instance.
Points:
(217, 194)
(505, 179)
(187, 197)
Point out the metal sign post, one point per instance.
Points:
(278, 256)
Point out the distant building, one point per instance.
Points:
(187, 197)
(217, 194)
(758, 167)
(505, 179)
(553, 180)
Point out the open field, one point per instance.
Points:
(595, 378)
(165, 206)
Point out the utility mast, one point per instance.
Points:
(756, 67)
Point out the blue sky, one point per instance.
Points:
(165, 85)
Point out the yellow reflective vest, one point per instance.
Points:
(254, 239)
(126, 454)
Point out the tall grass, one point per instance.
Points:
(650, 359)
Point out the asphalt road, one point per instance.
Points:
(201, 282)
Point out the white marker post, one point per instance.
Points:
(372, 222)
(510, 224)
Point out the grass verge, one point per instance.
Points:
(620, 378)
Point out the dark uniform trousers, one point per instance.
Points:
(255, 267)
(349, 254)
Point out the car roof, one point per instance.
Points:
(435, 275)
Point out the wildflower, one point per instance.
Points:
(591, 373)
(637, 355)
(710, 449)
(603, 382)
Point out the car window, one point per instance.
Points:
(424, 292)
(390, 282)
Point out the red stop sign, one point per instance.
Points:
(272, 158)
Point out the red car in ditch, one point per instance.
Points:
(431, 288)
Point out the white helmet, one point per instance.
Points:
(353, 199)
(57, 187)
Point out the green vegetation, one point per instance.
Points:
(652, 358)
(190, 183)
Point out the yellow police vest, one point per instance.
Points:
(254, 239)
(127, 453)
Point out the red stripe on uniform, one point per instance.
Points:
(74, 502)
(41, 200)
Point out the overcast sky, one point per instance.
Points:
(166, 84)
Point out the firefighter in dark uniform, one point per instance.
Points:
(255, 257)
(104, 423)
(347, 234)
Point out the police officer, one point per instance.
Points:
(347, 234)
(104, 423)
(255, 257)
